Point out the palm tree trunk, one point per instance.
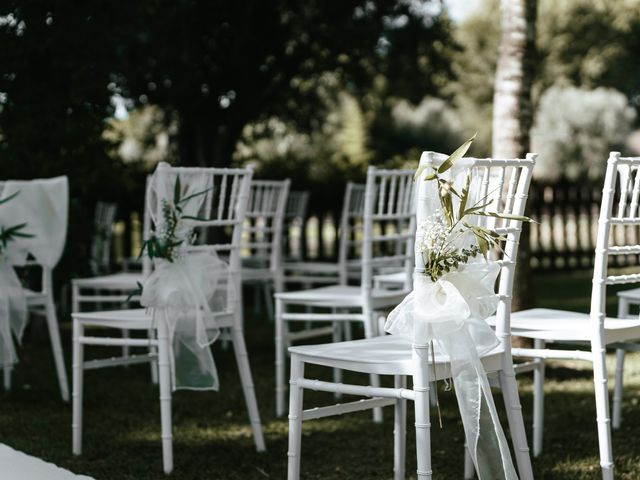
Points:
(513, 113)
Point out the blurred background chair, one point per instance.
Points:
(295, 222)
(262, 240)
(392, 190)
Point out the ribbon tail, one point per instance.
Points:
(486, 441)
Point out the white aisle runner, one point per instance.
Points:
(15, 465)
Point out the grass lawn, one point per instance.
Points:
(212, 439)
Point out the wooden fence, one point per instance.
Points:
(563, 237)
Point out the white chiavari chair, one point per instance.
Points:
(227, 210)
(393, 192)
(397, 355)
(546, 326)
(262, 263)
(347, 267)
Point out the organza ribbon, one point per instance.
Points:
(451, 313)
(13, 312)
(187, 294)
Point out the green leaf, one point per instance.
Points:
(193, 195)
(507, 216)
(465, 195)
(6, 199)
(176, 191)
(457, 155)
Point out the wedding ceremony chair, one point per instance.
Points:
(262, 267)
(393, 191)
(295, 214)
(43, 204)
(225, 209)
(595, 329)
(347, 267)
(400, 357)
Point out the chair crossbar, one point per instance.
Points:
(310, 333)
(621, 279)
(342, 408)
(106, 298)
(625, 221)
(349, 389)
(550, 354)
(624, 250)
(118, 342)
(118, 361)
(322, 317)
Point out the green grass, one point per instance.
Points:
(212, 439)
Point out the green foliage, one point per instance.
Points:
(575, 129)
(8, 234)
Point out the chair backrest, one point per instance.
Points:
(619, 208)
(389, 198)
(350, 230)
(265, 215)
(505, 185)
(297, 205)
(223, 209)
(105, 215)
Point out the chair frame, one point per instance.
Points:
(627, 215)
(516, 195)
(232, 217)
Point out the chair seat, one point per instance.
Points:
(341, 296)
(115, 281)
(384, 355)
(561, 325)
(135, 319)
(632, 294)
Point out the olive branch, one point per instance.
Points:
(164, 244)
(442, 255)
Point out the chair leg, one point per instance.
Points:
(337, 337)
(164, 374)
(602, 412)
(7, 370)
(295, 418)
(469, 468)
(369, 332)
(280, 358)
(511, 399)
(78, 377)
(126, 349)
(422, 422)
(268, 299)
(242, 358)
(400, 431)
(56, 347)
(538, 401)
(618, 387)
(153, 350)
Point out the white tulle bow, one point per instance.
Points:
(189, 294)
(451, 312)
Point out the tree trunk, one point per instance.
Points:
(512, 111)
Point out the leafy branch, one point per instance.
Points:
(8, 234)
